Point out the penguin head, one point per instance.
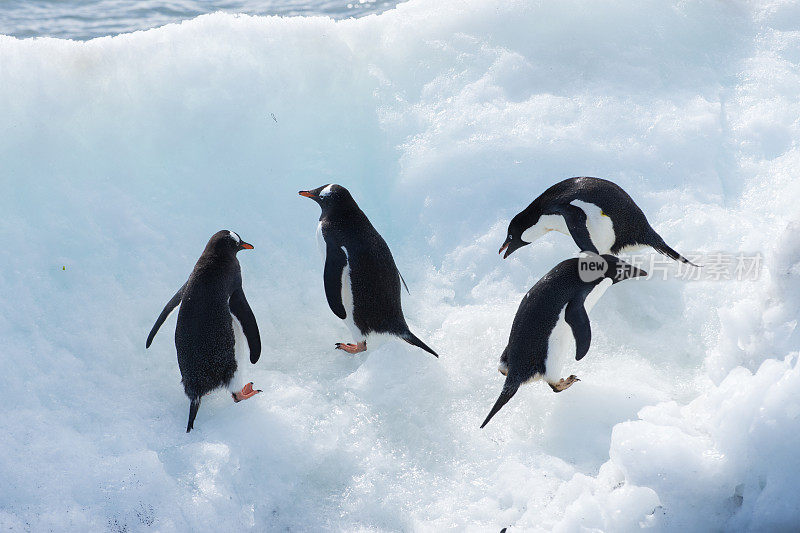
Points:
(618, 270)
(527, 223)
(331, 196)
(226, 243)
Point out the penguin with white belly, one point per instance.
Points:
(552, 322)
(204, 336)
(362, 282)
(598, 214)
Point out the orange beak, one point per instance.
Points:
(245, 245)
(503, 248)
(307, 194)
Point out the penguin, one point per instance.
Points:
(598, 215)
(204, 335)
(362, 282)
(552, 322)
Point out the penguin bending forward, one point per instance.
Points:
(362, 283)
(598, 215)
(204, 336)
(552, 323)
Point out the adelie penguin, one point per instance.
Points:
(598, 215)
(362, 283)
(552, 322)
(204, 336)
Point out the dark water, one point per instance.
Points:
(85, 19)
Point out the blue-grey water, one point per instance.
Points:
(86, 19)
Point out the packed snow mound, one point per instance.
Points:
(121, 156)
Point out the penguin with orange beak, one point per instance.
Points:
(362, 283)
(211, 301)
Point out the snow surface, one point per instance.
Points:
(121, 156)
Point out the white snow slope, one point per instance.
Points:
(120, 156)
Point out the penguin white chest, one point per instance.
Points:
(561, 346)
(599, 225)
(595, 294)
(347, 299)
(560, 349)
(241, 353)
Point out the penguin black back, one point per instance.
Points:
(204, 333)
(204, 336)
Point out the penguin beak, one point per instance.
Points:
(308, 194)
(245, 246)
(511, 246)
(505, 245)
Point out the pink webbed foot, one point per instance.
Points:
(246, 392)
(352, 348)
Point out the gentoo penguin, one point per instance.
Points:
(361, 280)
(597, 213)
(204, 336)
(552, 322)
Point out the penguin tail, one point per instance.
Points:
(662, 247)
(412, 339)
(508, 392)
(194, 405)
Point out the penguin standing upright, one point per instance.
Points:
(362, 283)
(204, 336)
(597, 213)
(552, 322)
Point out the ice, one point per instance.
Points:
(121, 156)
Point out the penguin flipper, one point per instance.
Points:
(507, 393)
(241, 310)
(575, 219)
(172, 304)
(577, 318)
(335, 261)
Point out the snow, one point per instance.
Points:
(121, 156)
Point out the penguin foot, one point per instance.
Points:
(246, 392)
(352, 348)
(563, 384)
